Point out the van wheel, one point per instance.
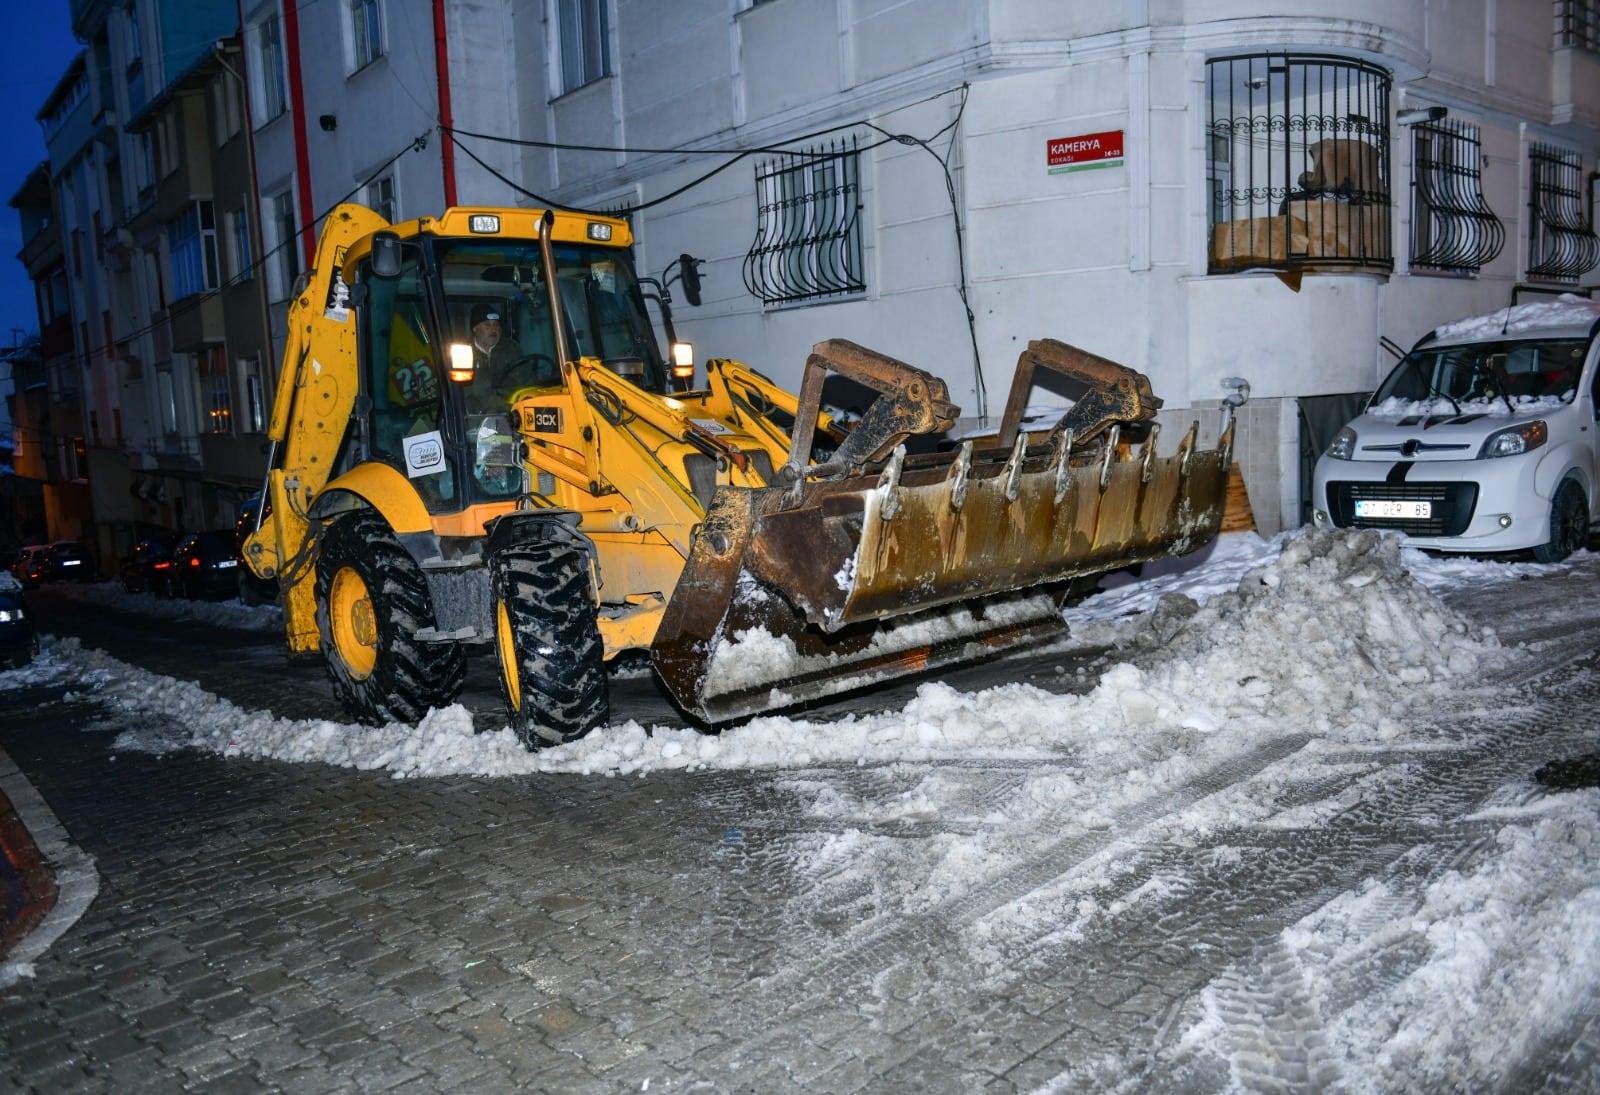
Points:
(371, 601)
(552, 660)
(1569, 524)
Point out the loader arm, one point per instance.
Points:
(317, 386)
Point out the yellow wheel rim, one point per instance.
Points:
(355, 629)
(506, 646)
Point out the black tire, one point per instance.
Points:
(1569, 523)
(371, 601)
(552, 660)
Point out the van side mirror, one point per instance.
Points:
(386, 254)
(689, 275)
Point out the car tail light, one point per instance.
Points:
(194, 560)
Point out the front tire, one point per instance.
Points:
(371, 601)
(552, 660)
(1569, 523)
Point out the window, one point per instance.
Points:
(585, 42)
(270, 83)
(192, 243)
(219, 396)
(255, 406)
(380, 197)
(238, 228)
(1561, 240)
(1452, 226)
(167, 398)
(227, 111)
(808, 227)
(1297, 157)
(283, 246)
(1578, 25)
(166, 139)
(366, 33)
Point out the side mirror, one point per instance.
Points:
(386, 254)
(689, 275)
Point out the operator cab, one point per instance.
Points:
(464, 329)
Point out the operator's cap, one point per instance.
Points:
(482, 312)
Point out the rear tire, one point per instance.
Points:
(371, 601)
(1569, 523)
(552, 660)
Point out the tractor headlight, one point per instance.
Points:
(462, 364)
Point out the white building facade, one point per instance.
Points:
(1193, 188)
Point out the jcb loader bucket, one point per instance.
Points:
(889, 567)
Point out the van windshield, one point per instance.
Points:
(1520, 371)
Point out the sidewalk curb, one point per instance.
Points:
(76, 880)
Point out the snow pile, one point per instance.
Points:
(1331, 636)
(1333, 641)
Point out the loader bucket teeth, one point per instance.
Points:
(915, 562)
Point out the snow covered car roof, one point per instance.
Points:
(1568, 315)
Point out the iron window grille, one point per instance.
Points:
(1561, 240)
(1578, 25)
(808, 227)
(1452, 226)
(1297, 163)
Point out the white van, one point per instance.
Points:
(1483, 439)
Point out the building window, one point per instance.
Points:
(227, 111)
(366, 33)
(192, 243)
(808, 227)
(270, 84)
(380, 197)
(255, 404)
(283, 246)
(1561, 239)
(1452, 226)
(1578, 25)
(219, 397)
(585, 42)
(1297, 159)
(167, 398)
(238, 227)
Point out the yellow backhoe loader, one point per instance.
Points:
(560, 499)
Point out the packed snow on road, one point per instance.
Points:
(1331, 646)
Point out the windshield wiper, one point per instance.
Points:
(1433, 389)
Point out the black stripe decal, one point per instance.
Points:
(1398, 471)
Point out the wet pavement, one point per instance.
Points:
(264, 926)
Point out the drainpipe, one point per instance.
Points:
(269, 353)
(447, 147)
(297, 107)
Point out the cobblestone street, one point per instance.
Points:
(298, 927)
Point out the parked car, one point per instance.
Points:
(1482, 439)
(32, 567)
(204, 567)
(70, 562)
(252, 590)
(19, 641)
(144, 569)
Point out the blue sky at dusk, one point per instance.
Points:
(36, 44)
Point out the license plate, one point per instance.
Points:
(1383, 507)
(226, 563)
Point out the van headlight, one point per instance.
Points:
(1343, 445)
(1515, 440)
